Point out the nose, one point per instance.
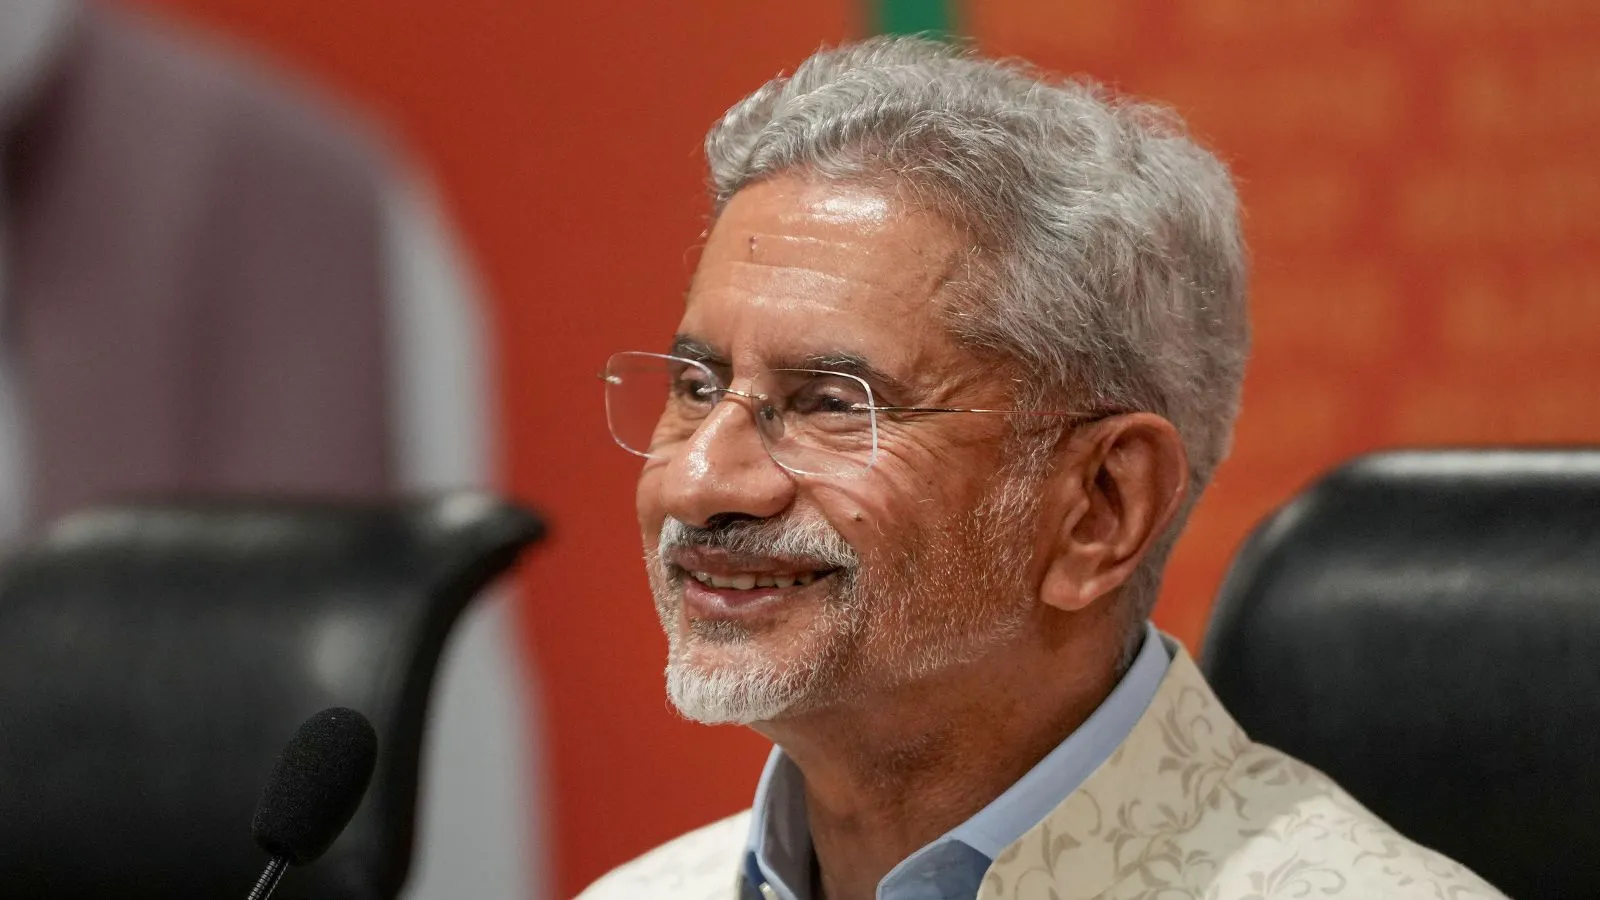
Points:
(723, 468)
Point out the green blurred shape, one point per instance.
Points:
(934, 17)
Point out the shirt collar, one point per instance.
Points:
(779, 852)
(779, 847)
(1049, 783)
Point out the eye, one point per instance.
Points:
(830, 395)
(692, 385)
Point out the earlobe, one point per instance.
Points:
(1129, 484)
(1071, 561)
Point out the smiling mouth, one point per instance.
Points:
(750, 581)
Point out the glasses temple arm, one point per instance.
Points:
(997, 412)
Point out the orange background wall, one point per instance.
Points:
(1422, 180)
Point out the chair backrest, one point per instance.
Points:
(155, 658)
(1425, 627)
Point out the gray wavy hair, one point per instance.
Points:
(1107, 259)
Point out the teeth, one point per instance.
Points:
(748, 582)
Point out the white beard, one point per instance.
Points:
(727, 696)
(851, 631)
(758, 689)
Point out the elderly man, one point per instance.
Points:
(963, 349)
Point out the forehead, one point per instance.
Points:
(796, 265)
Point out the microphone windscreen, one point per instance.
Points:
(316, 785)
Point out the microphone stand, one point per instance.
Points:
(269, 879)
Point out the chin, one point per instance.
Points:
(715, 680)
(748, 669)
(731, 695)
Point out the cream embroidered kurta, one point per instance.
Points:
(1188, 807)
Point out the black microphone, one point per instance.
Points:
(314, 789)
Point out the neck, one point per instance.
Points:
(888, 775)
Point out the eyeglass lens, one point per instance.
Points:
(811, 422)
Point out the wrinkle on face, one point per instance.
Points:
(918, 269)
(851, 268)
(798, 268)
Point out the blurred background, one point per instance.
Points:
(1422, 186)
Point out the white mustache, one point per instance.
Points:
(812, 540)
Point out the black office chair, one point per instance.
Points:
(1425, 627)
(155, 658)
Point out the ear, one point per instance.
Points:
(1121, 484)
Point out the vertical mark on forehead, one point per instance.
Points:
(752, 248)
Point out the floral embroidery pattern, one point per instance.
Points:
(1186, 809)
(1190, 809)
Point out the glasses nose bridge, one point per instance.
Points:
(750, 404)
(805, 427)
(753, 397)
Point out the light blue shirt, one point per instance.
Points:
(778, 859)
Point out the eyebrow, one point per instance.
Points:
(692, 348)
(843, 362)
(847, 364)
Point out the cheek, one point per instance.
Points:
(918, 474)
(893, 502)
(647, 502)
(915, 488)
